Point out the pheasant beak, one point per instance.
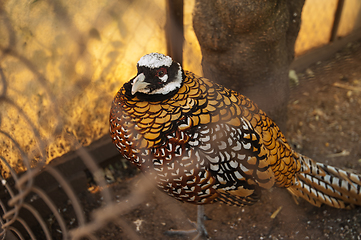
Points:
(139, 85)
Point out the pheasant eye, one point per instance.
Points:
(161, 72)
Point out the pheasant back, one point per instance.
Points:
(205, 143)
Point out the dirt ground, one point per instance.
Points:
(324, 116)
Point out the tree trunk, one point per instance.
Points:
(248, 46)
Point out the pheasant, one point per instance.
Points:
(203, 143)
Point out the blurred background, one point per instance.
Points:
(61, 63)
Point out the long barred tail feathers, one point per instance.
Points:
(322, 184)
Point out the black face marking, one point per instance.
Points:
(152, 76)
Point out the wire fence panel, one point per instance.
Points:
(61, 63)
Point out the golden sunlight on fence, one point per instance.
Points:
(61, 63)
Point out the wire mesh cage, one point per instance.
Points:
(61, 63)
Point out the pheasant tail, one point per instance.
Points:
(323, 184)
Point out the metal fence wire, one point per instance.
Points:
(61, 63)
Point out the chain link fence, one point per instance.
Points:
(60, 66)
(61, 62)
